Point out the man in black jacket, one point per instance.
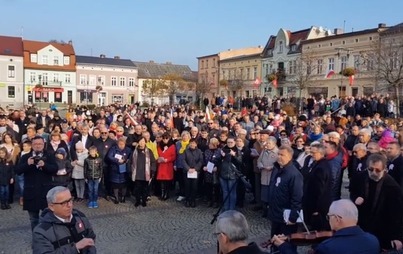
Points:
(63, 229)
(286, 189)
(317, 189)
(38, 168)
(395, 164)
(379, 202)
(84, 137)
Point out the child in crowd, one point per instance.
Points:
(63, 175)
(78, 170)
(93, 174)
(26, 148)
(6, 178)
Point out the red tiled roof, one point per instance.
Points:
(298, 36)
(272, 41)
(11, 46)
(34, 46)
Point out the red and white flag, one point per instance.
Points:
(274, 82)
(257, 82)
(351, 80)
(329, 74)
(134, 122)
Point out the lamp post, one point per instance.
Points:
(340, 51)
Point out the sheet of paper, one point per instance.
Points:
(192, 175)
(118, 156)
(286, 215)
(210, 167)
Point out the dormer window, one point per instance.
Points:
(294, 48)
(34, 58)
(270, 52)
(280, 47)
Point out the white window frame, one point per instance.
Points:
(254, 72)
(122, 81)
(320, 66)
(55, 60)
(132, 82)
(11, 73)
(10, 89)
(56, 77)
(34, 58)
(67, 78)
(114, 81)
(280, 47)
(44, 78)
(92, 80)
(331, 64)
(44, 59)
(66, 60)
(343, 62)
(32, 76)
(83, 79)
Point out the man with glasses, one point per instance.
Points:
(379, 201)
(63, 229)
(359, 161)
(348, 237)
(38, 168)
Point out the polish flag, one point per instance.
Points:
(257, 82)
(274, 82)
(329, 74)
(351, 79)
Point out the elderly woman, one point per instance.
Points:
(142, 167)
(55, 143)
(166, 158)
(179, 166)
(212, 157)
(265, 164)
(117, 157)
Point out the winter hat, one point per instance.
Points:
(79, 145)
(61, 151)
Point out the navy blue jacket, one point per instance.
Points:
(349, 240)
(115, 175)
(286, 188)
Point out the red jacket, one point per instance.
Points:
(166, 169)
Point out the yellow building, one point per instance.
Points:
(336, 53)
(208, 69)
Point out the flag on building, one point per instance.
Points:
(257, 82)
(351, 80)
(274, 82)
(329, 74)
(209, 114)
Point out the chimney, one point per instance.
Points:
(151, 61)
(168, 62)
(70, 42)
(381, 25)
(116, 57)
(338, 31)
(102, 56)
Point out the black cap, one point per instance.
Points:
(38, 127)
(65, 121)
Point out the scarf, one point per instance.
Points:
(55, 144)
(134, 164)
(184, 145)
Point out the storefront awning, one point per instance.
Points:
(49, 89)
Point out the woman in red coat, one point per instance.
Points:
(166, 157)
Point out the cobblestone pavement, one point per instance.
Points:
(161, 227)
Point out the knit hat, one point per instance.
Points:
(61, 151)
(79, 145)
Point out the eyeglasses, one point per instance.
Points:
(217, 234)
(104, 132)
(119, 131)
(64, 203)
(210, 123)
(375, 169)
(335, 215)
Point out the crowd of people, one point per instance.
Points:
(293, 163)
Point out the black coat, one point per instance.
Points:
(317, 189)
(37, 181)
(395, 170)
(6, 172)
(381, 214)
(88, 144)
(357, 165)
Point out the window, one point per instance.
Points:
(343, 65)
(292, 67)
(55, 60)
(45, 79)
(207, 63)
(101, 80)
(202, 64)
(45, 59)
(85, 97)
(320, 66)
(93, 80)
(11, 92)
(331, 64)
(113, 81)
(280, 47)
(370, 62)
(131, 82)
(247, 73)
(67, 78)
(11, 71)
(122, 81)
(241, 72)
(117, 98)
(66, 60)
(58, 97)
(294, 48)
(214, 63)
(357, 60)
(83, 79)
(254, 72)
(32, 76)
(267, 69)
(56, 77)
(34, 58)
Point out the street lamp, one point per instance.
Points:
(340, 51)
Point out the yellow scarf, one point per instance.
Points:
(184, 145)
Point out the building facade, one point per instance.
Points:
(280, 57)
(50, 72)
(208, 74)
(11, 72)
(354, 50)
(102, 81)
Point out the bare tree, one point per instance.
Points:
(388, 62)
(173, 84)
(154, 88)
(302, 72)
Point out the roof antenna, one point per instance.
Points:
(22, 32)
(344, 25)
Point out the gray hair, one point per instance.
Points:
(287, 148)
(272, 140)
(234, 225)
(344, 208)
(365, 131)
(320, 147)
(52, 193)
(360, 146)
